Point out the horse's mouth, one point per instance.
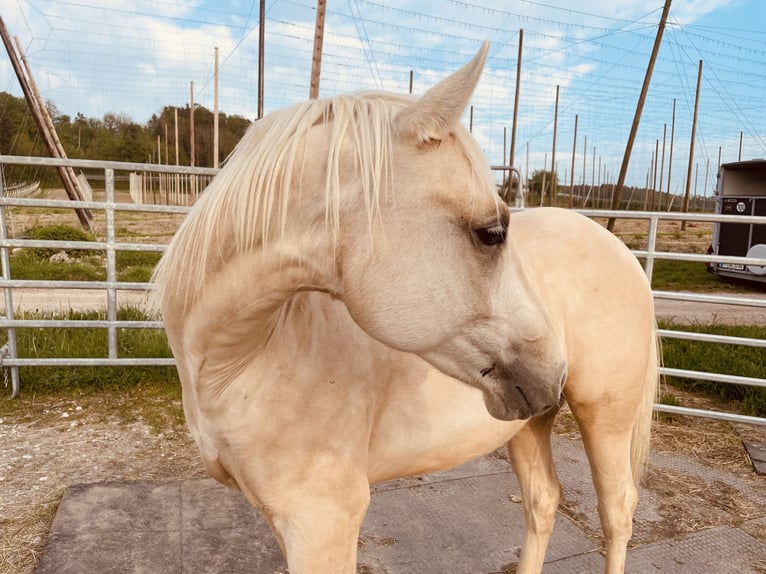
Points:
(515, 400)
(487, 371)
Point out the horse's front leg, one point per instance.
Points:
(530, 453)
(315, 514)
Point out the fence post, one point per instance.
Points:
(9, 350)
(111, 265)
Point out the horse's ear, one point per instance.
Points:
(433, 115)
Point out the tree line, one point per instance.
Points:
(115, 137)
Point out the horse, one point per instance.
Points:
(350, 301)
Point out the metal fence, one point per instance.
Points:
(10, 361)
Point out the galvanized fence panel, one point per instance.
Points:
(9, 360)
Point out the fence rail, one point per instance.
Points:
(10, 360)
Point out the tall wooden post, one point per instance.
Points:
(584, 169)
(45, 124)
(637, 116)
(191, 124)
(739, 155)
(654, 182)
(662, 165)
(511, 157)
(261, 42)
(411, 80)
(553, 153)
(672, 137)
(571, 175)
(215, 111)
(691, 145)
(316, 61)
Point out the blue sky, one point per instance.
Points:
(133, 57)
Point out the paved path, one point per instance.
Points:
(462, 521)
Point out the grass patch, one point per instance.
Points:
(720, 358)
(91, 343)
(25, 264)
(693, 276)
(57, 232)
(136, 266)
(132, 266)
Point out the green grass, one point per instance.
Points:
(693, 276)
(132, 266)
(719, 358)
(91, 343)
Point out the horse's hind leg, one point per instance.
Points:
(530, 453)
(607, 439)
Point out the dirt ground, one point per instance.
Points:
(49, 444)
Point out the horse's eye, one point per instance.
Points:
(494, 235)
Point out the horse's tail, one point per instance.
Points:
(639, 448)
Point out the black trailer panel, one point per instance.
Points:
(741, 190)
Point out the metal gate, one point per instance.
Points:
(10, 361)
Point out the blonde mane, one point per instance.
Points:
(248, 202)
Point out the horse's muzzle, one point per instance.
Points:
(520, 392)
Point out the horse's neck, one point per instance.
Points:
(240, 306)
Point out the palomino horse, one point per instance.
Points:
(350, 302)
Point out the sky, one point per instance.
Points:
(133, 57)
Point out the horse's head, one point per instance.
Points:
(434, 274)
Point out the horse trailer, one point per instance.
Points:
(741, 190)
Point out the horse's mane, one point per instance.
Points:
(246, 204)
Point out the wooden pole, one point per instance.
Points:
(505, 149)
(191, 124)
(261, 32)
(571, 175)
(553, 153)
(411, 80)
(175, 127)
(662, 165)
(584, 169)
(45, 125)
(192, 159)
(739, 155)
(672, 137)
(696, 177)
(470, 120)
(215, 111)
(654, 182)
(511, 157)
(691, 146)
(639, 110)
(316, 61)
(646, 185)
